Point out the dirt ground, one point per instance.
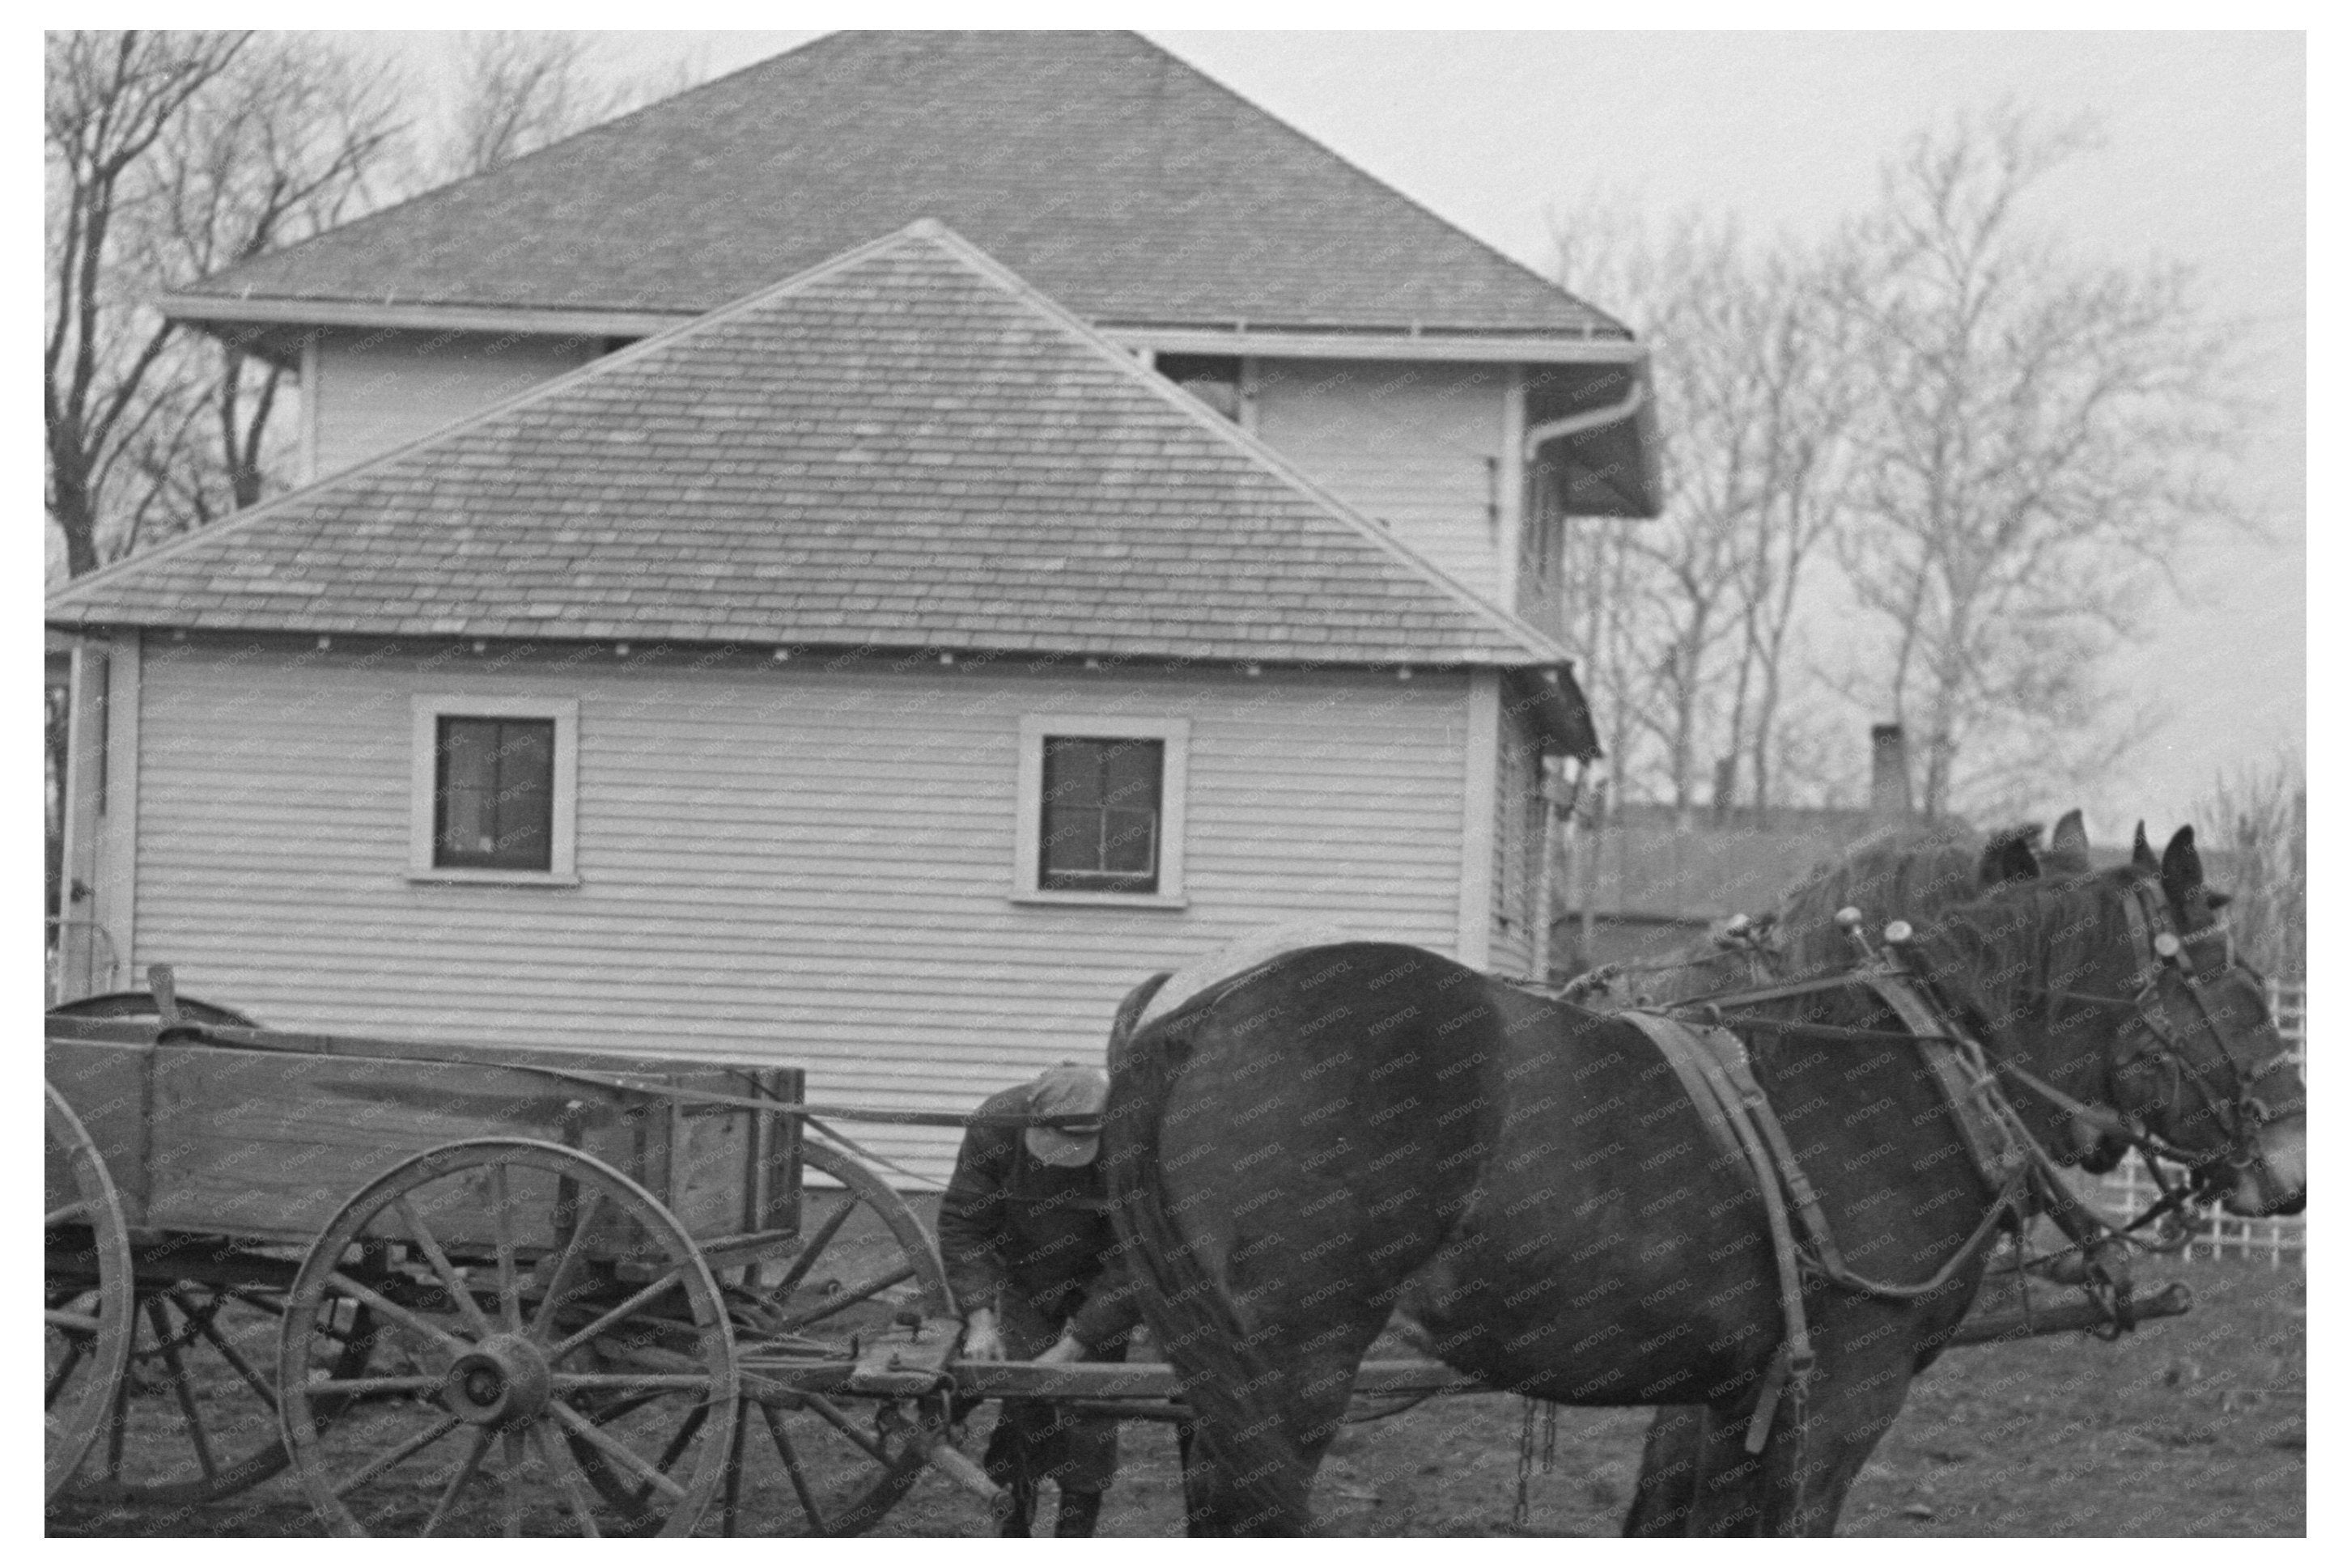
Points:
(2193, 1427)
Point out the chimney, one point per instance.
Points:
(1889, 776)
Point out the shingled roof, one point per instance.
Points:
(906, 448)
(1126, 185)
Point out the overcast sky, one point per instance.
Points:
(2203, 163)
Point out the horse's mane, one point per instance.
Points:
(1912, 874)
(1906, 873)
(2048, 934)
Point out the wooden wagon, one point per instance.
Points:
(463, 1291)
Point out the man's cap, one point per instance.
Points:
(1069, 1090)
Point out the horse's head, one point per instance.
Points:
(2191, 1058)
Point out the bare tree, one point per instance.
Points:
(2262, 818)
(111, 99)
(2036, 437)
(519, 91)
(1689, 621)
(287, 142)
(171, 156)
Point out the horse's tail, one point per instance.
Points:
(1259, 1469)
(1130, 1014)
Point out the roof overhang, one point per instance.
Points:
(1552, 705)
(276, 326)
(1372, 343)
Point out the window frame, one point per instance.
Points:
(1174, 736)
(426, 715)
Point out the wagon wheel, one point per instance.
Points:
(88, 1303)
(195, 1417)
(545, 1297)
(868, 1266)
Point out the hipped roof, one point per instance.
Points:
(905, 449)
(1125, 184)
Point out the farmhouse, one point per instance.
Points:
(1139, 542)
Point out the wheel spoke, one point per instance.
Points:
(568, 1479)
(502, 1228)
(75, 1351)
(58, 1216)
(792, 1457)
(510, 1463)
(813, 1251)
(70, 1321)
(847, 1428)
(660, 1287)
(621, 1453)
(542, 1322)
(230, 1353)
(407, 1383)
(382, 1462)
(457, 1482)
(847, 1299)
(398, 1314)
(573, 1382)
(685, 1431)
(182, 1391)
(423, 1234)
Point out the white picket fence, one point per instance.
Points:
(2128, 1190)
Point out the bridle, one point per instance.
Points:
(2150, 1044)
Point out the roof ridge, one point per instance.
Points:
(528, 395)
(1207, 419)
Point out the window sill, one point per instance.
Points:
(497, 877)
(1102, 900)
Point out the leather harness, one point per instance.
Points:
(1712, 1065)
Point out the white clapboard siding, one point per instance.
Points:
(377, 391)
(777, 862)
(1416, 446)
(1518, 782)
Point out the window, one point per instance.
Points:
(494, 789)
(1101, 813)
(1214, 379)
(1102, 810)
(494, 793)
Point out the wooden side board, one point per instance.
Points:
(262, 1136)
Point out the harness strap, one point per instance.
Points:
(1966, 1084)
(1701, 1060)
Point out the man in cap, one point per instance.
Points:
(1025, 1229)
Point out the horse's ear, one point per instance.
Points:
(2009, 857)
(2217, 901)
(2069, 846)
(2142, 852)
(2183, 875)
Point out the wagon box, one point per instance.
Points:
(263, 1134)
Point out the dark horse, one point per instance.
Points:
(1352, 1129)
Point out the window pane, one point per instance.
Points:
(495, 793)
(1072, 838)
(1072, 772)
(1100, 828)
(1130, 776)
(1129, 838)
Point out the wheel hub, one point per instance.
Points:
(500, 1382)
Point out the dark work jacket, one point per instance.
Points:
(1031, 1239)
